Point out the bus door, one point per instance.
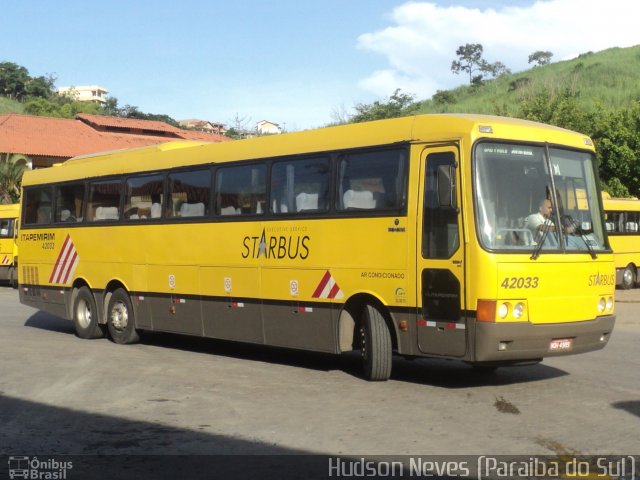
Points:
(440, 260)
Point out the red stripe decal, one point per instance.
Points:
(334, 291)
(323, 283)
(55, 267)
(61, 267)
(67, 269)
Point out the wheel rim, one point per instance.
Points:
(627, 277)
(119, 316)
(83, 313)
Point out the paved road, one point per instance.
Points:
(179, 395)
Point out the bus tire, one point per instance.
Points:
(13, 277)
(120, 319)
(628, 277)
(375, 345)
(85, 315)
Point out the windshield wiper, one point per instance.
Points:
(582, 235)
(545, 231)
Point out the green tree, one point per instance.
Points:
(11, 171)
(540, 58)
(496, 69)
(13, 80)
(560, 108)
(397, 105)
(43, 87)
(42, 107)
(469, 60)
(616, 134)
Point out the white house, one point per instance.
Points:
(90, 93)
(203, 126)
(265, 127)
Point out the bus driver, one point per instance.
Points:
(536, 221)
(542, 219)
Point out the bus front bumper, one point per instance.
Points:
(519, 342)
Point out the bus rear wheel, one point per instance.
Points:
(629, 277)
(13, 277)
(85, 315)
(120, 319)
(375, 345)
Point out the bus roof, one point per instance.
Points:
(11, 210)
(419, 128)
(621, 204)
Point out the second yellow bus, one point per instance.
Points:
(622, 223)
(8, 247)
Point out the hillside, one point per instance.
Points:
(609, 77)
(10, 106)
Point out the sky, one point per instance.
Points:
(298, 63)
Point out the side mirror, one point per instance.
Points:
(447, 186)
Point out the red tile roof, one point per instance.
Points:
(59, 137)
(98, 121)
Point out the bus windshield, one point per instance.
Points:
(524, 192)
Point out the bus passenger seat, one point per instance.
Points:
(192, 210)
(106, 213)
(306, 201)
(231, 210)
(156, 210)
(359, 199)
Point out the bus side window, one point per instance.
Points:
(189, 193)
(69, 203)
(104, 200)
(372, 180)
(300, 186)
(241, 190)
(37, 206)
(143, 197)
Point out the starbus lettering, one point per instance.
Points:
(599, 280)
(276, 246)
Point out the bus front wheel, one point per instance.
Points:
(120, 319)
(85, 315)
(629, 277)
(375, 345)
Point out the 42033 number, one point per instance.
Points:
(520, 282)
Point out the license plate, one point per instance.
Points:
(560, 344)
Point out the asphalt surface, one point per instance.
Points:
(175, 395)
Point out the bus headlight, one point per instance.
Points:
(602, 304)
(609, 303)
(518, 310)
(503, 310)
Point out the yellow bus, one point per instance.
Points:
(8, 248)
(406, 236)
(622, 218)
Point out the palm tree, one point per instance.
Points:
(11, 170)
